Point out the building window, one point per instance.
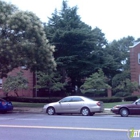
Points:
(138, 58)
(0, 83)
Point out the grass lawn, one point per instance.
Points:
(38, 105)
(110, 105)
(22, 104)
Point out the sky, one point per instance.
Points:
(116, 18)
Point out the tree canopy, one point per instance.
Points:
(96, 81)
(75, 42)
(78, 50)
(23, 41)
(50, 81)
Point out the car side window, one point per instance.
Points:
(76, 99)
(67, 99)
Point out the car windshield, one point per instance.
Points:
(137, 101)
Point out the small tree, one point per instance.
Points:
(50, 81)
(122, 83)
(96, 81)
(15, 83)
(127, 86)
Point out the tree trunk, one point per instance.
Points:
(16, 92)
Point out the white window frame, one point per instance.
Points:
(138, 58)
(0, 83)
(139, 79)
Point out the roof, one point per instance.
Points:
(135, 44)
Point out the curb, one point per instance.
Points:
(40, 111)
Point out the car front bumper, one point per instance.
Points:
(115, 110)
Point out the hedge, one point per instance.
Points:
(32, 100)
(130, 98)
(109, 100)
(54, 99)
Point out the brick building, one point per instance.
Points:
(30, 92)
(135, 64)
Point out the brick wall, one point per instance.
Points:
(25, 93)
(134, 66)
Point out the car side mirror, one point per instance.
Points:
(136, 103)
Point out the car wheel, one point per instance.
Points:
(50, 111)
(124, 112)
(85, 111)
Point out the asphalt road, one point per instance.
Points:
(29, 126)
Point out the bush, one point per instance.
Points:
(55, 99)
(32, 100)
(109, 100)
(122, 94)
(96, 94)
(130, 98)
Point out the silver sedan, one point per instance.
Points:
(74, 105)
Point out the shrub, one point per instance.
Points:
(32, 100)
(109, 100)
(96, 93)
(122, 94)
(130, 98)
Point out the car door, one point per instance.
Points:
(134, 108)
(64, 105)
(76, 104)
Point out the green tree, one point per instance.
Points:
(127, 86)
(96, 81)
(122, 83)
(74, 41)
(50, 81)
(119, 50)
(15, 83)
(23, 41)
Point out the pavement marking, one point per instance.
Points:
(21, 119)
(64, 128)
(29, 119)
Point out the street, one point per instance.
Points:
(31, 126)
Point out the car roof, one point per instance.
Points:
(85, 98)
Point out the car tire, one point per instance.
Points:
(50, 111)
(85, 111)
(124, 112)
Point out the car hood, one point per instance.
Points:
(51, 104)
(125, 105)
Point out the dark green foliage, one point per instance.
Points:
(122, 83)
(130, 98)
(97, 93)
(54, 99)
(122, 94)
(50, 81)
(32, 100)
(109, 100)
(118, 52)
(118, 78)
(75, 43)
(96, 81)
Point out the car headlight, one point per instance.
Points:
(117, 106)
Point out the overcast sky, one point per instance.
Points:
(116, 18)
